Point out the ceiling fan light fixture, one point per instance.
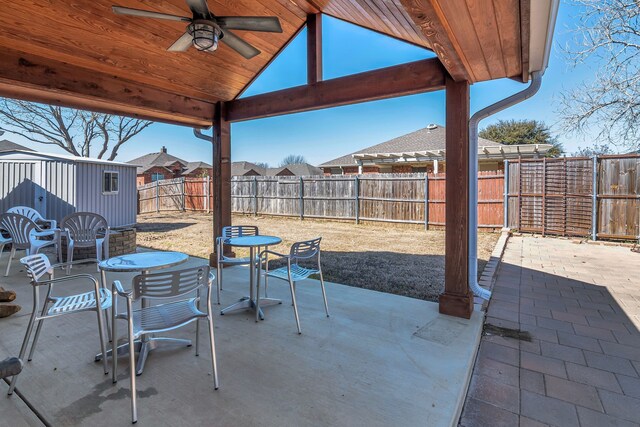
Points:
(205, 35)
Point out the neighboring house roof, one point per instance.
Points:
(6, 145)
(194, 166)
(303, 169)
(431, 138)
(162, 159)
(246, 168)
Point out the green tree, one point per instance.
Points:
(514, 132)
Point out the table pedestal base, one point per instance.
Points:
(247, 303)
(143, 348)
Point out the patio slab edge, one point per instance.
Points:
(488, 276)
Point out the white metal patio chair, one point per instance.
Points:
(167, 316)
(86, 230)
(293, 272)
(228, 233)
(59, 305)
(34, 215)
(25, 236)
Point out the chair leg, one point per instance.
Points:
(295, 304)
(258, 297)
(324, 294)
(219, 281)
(38, 329)
(98, 255)
(132, 374)
(114, 348)
(11, 255)
(101, 329)
(212, 344)
(1, 250)
(69, 256)
(23, 349)
(198, 327)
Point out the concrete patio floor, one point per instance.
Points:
(379, 360)
(580, 366)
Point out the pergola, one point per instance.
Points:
(79, 54)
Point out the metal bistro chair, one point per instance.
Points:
(86, 230)
(37, 266)
(24, 236)
(293, 272)
(164, 317)
(228, 233)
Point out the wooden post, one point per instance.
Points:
(356, 190)
(594, 201)
(457, 299)
(505, 206)
(157, 195)
(221, 174)
(184, 194)
(255, 196)
(314, 48)
(426, 201)
(301, 198)
(207, 194)
(544, 194)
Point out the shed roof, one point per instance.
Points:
(36, 155)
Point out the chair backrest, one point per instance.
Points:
(305, 249)
(170, 284)
(239, 231)
(19, 228)
(37, 266)
(30, 213)
(84, 227)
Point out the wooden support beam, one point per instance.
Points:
(457, 299)
(221, 174)
(429, 18)
(400, 80)
(37, 79)
(314, 48)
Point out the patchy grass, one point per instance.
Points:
(399, 259)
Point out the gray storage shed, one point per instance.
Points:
(57, 185)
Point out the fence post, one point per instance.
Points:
(184, 195)
(594, 204)
(157, 196)
(356, 190)
(255, 196)
(206, 194)
(506, 194)
(426, 201)
(301, 198)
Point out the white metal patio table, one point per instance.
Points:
(253, 243)
(143, 262)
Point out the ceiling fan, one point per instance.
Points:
(204, 29)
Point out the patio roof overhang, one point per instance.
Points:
(79, 54)
(82, 55)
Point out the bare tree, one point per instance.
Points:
(81, 133)
(593, 150)
(293, 159)
(608, 32)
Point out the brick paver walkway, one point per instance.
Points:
(580, 365)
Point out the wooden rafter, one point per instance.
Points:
(400, 80)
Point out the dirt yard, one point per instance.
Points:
(399, 259)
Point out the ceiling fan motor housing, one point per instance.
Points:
(205, 34)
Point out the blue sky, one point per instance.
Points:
(326, 134)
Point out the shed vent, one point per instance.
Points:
(432, 126)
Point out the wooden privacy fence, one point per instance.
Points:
(402, 198)
(596, 197)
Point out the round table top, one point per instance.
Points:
(143, 261)
(253, 241)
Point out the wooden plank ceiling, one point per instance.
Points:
(58, 50)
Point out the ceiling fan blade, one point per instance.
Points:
(147, 14)
(239, 45)
(182, 44)
(199, 8)
(269, 24)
